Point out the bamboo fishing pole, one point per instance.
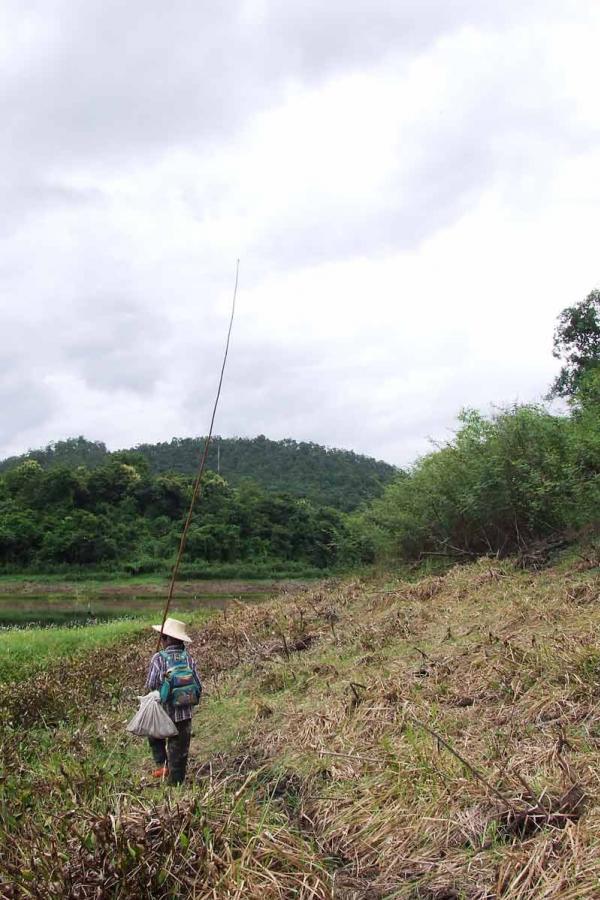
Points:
(200, 473)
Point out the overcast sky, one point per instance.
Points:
(412, 187)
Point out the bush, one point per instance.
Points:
(147, 565)
(502, 482)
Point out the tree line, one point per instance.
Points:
(326, 476)
(118, 516)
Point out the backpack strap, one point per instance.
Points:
(167, 655)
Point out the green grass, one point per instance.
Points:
(222, 721)
(32, 649)
(248, 571)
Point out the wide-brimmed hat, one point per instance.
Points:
(175, 629)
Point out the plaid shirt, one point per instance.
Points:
(156, 674)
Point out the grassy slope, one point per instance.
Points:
(312, 775)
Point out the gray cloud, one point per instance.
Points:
(26, 195)
(493, 140)
(124, 197)
(104, 80)
(105, 84)
(26, 402)
(321, 39)
(113, 343)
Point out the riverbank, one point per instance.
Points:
(366, 739)
(142, 586)
(41, 604)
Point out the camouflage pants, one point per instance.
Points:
(173, 751)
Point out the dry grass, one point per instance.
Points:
(358, 740)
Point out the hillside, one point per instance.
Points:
(435, 739)
(329, 477)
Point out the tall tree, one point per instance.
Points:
(577, 344)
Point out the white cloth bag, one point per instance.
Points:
(151, 720)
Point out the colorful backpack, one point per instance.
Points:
(179, 687)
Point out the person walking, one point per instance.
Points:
(173, 672)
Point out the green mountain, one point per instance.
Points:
(330, 477)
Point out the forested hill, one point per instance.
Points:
(330, 477)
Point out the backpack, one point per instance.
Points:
(179, 687)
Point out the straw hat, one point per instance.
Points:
(175, 629)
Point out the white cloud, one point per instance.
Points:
(414, 199)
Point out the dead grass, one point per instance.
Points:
(430, 740)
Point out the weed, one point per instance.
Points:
(302, 785)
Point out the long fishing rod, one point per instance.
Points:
(198, 481)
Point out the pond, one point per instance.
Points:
(25, 609)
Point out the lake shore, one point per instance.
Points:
(146, 587)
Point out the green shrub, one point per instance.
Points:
(504, 481)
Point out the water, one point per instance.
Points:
(51, 609)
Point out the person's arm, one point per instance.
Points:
(155, 673)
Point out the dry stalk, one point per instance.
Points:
(465, 762)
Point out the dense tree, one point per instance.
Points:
(20, 535)
(577, 343)
(81, 538)
(71, 453)
(502, 482)
(24, 482)
(338, 478)
(117, 515)
(112, 482)
(165, 495)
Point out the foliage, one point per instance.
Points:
(328, 477)
(71, 453)
(504, 481)
(119, 516)
(577, 343)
